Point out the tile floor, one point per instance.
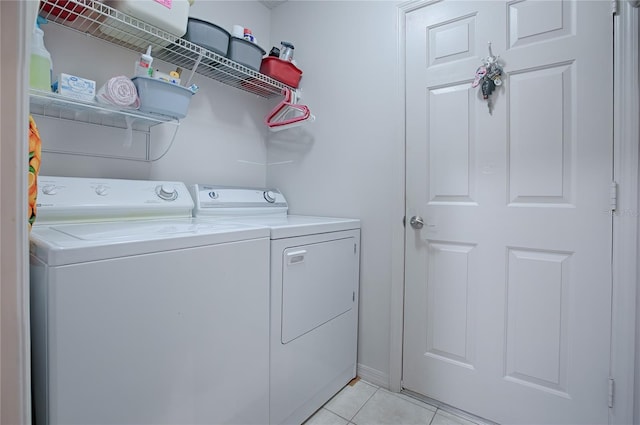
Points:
(366, 404)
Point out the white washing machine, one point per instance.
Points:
(142, 314)
(314, 295)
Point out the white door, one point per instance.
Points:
(508, 284)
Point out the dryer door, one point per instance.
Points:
(318, 284)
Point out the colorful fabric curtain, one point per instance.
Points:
(35, 152)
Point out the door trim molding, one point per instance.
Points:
(396, 303)
(15, 384)
(626, 222)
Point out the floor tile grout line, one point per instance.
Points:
(433, 418)
(364, 404)
(337, 414)
(416, 402)
(357, 411)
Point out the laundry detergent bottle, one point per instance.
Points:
(41, 66)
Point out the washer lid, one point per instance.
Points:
(59, 244)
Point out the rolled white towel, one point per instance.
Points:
(119, 91)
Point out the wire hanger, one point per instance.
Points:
(288, 114)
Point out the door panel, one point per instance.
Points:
(507, 285)
(534, 147)
(451, 164)
(448, 316)
(537, 343)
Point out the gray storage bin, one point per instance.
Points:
(208, 35)
(245, 53)
(161, 97)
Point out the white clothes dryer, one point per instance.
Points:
(314, 295)
(142, 314)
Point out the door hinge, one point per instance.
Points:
(613, 196)
(611, 386)
(404, 221)
(614, 7)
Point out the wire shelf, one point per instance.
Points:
(99, 20)
(50, 104)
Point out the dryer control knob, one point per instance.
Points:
(49, 189)
(166, 192)
(102, 190)
(270, 196)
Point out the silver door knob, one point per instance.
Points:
(416, 222)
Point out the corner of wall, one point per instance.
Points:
(373, 376)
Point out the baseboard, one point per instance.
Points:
(373, 376)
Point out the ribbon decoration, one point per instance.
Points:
(489, 76)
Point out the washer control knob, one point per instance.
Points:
(102, 190)
(167, 192)
(270, 196)
(49, 189)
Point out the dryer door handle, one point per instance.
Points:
(296, 257)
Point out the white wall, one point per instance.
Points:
(220, 141)
(345, 163)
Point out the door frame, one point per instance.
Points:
(15, 384)
(626, 223)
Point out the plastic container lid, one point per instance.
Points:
(208, 35)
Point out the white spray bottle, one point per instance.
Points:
(143, 66)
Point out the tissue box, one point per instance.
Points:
(76, 87)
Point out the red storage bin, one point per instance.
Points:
(64, 9)
(283, 71)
